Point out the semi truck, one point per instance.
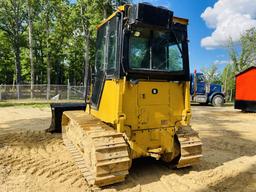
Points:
(205, 93)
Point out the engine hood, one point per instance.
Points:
(215, 88)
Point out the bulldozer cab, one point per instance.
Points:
(140, 42)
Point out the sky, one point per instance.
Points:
(212, 23)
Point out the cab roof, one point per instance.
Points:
(122, 8)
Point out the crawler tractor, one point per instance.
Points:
(139, 100)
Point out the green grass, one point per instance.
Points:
(31, 103)
(34, 105)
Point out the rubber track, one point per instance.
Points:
(190, 147)
(98, 150)
(79, 160)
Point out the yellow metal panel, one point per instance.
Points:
(151, 118)
(130, 105)
(180, 20)
(176, 101)
(154, 117)
(146, 97)
(108, 108)
(148, 121)
(186, 114)
(153, 110)
(143, 142)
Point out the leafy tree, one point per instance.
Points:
(7, 59)
(49, 41)
(30, 37)
(227, 78)
(211, 74)
(242, 56)
(12, 22)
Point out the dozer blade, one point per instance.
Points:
(98, 150)
(190, 147)
(57, 111)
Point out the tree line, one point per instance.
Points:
(242, 56)
(49, 41)
(52, 42)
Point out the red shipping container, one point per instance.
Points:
(246, 90)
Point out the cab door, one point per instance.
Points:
(106, 64)
(99, 76)
(200, 84)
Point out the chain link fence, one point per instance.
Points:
(56, 92)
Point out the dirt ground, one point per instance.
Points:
(32, 160)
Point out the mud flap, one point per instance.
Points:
(57, 111)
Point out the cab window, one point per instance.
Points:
(112, 46)
(200, 78)
(100, 50)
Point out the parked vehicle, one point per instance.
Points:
(205, 93)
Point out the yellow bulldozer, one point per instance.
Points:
(138, 104)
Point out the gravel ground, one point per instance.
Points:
(32, 160)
